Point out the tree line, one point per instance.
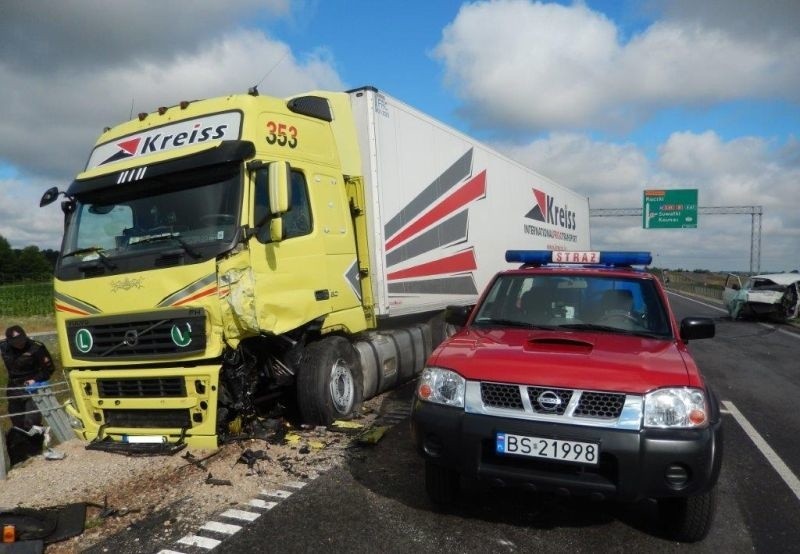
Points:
(26, 264)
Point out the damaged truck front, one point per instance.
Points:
(220, 253)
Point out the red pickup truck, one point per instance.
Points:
(571, 375)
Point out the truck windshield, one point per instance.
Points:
(194, 211)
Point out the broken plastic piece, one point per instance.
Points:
(372, 435)
(54, 455)
(210, 480)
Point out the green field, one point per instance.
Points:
(26, 299)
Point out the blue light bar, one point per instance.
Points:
(610, 258)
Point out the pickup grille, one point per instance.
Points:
(170, 387)
(168, 333)
(553, 401)
(498, 395)
(600, 404)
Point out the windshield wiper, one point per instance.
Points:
(185, 245)
(92, 250)
(611, 329)
(512, 323)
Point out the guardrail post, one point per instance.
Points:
(54, 415)
(5, 461)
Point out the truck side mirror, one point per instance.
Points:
(280, 191)
(49, 196)
(457, 315)
(276, 229)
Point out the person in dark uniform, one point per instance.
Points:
(27, 362)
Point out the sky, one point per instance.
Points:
(608, 98)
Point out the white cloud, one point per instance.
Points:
(104, 65)
(528, 65)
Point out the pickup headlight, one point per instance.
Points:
(441, 386)
(676, 408)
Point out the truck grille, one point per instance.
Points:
(147, 418)
(553, 401)
(169, 387)
(168, 333)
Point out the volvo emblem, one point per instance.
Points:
(131, 337)
(549, 401)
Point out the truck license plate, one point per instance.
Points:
(553, 449)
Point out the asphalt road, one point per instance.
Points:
(377, 502)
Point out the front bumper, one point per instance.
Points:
(176, 405)
(634, 464)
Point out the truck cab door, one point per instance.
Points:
(289, 270)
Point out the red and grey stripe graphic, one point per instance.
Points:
(195, 291)
(434, 220)
(68, 304)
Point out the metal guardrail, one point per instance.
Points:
(44, 397)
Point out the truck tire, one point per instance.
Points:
(442, 484)
(688, 519)
(330, 385)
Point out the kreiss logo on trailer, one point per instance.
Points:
(547, 211)
(224, 126)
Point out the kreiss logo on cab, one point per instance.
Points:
(168, 137)
(547, 211)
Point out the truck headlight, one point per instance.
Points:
(441, 386)
(675, 408)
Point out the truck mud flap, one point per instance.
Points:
(136, 449)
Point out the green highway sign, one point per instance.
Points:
(670, 209)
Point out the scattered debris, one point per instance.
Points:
(371, 436)
(211, 481)
(54, 454)
(348, 427)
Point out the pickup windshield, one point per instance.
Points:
(579, 303)
(194, 211)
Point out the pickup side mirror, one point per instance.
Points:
(280, 191)
(693, 328)
(457, 315)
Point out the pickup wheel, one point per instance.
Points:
(688, 519)
(329, 381)
(442, 484)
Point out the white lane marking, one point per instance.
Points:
(167, 551)
(275, 493)
(218, 527)
(772, 457)
(263, 504)
(202, 542)
(698, 302)
(295, 484)
(240, 514)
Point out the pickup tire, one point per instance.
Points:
(442, 484)
(330, 385)
(688, 519)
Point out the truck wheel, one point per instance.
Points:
(329, 381)
(441, 483)
(688, 519)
